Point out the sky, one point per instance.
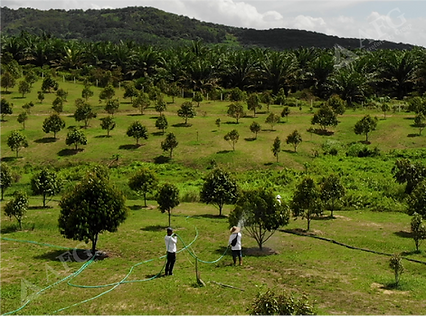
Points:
(393, 20)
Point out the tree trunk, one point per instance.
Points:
(94, 241)
(44, 200)
(144, 198)
(170, 213)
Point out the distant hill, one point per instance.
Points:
(146, 25)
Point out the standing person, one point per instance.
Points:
(171, 240)
(236, 247)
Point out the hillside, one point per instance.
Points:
(146, 25)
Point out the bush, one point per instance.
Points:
(360, 150)
(269, 303)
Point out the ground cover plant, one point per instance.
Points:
(340, 280)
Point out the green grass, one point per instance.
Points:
(341, 281)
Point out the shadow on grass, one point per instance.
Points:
(413, 135)
(46, 140)
(210, 216)
(249, 139)
(129, 146)
(231, 122)
(256, 252)
(72, 255)
(405, 253)
(102, 136)
(268, 164)
(223, 152)
(135, 114)
(39, 207)
(69, 152)
(161, 159)
(158, 133)
(321, 132)
(184, 125)
(137, 207)
(323, 217)
(10, 228)
(154, 228)
(289, 151)
(403, 234)
(9, 159)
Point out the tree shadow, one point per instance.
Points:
(45, 140)
(3, 92)
(154, 228)
(10, 228)
(223, 152)
(161, 159)
(256, 252)
(158, 133)
(250, 139)
(71, 255)
(289, 151)
(210, 216)
(405, 253)
(129, 146)
(69, 152)
(104, 136)
(323, 217)
(365, 142)
(231, 122)
(321, 132)
(18, 97)
(184, 125)
(413, 135)
(154, 117)
(403, 234)
(39, 207)
(135, 115)
(9, 159)
(137, 207)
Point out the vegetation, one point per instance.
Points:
(167, 199)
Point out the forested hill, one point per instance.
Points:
(146, 25)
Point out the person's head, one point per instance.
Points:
(169, 231)
(235, 229)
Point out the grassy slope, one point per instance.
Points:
(342, 281)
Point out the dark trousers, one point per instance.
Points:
(171, 259)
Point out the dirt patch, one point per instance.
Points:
(386, 290)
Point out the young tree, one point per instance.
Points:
(169, 144)
(337, 104)
(16, 141)
(130, 91)
(137, 131)
(217, 122)
(161, 123)
(253, 103)
(332, 191)
(173, 91)
(262, 214)
(144, 181)
(365, 126)
(84, 112)
(285, 113)
(160, 106)
(62, 94)
(76, 137)
(54, 124)
(168, 198)
(107, 123)
(236, 110)
(186, 111)
(306, 200)
(255, 128)
(31, 77)
(46, 183)
(17, 207)
(107, 93)
(325, 117)
(24, 88)
(141, 102)
(27, 106)
(420, 122)
(22, 117)
(48, 84)
(385, 108)
(294, 138)
(6, 178)
(395, 263)
(198, 97)
(272, 119)
(5, 108)
(418, 229)
(7, 81)
(232, 137)
(409, 172)
(219, 188)
(281, 97)
(86, 93)
(112, 106)
(40, 96)
(58, 105)
(276, 147)
(417, 200)
(236, 94)
(92, 207)
(267, 99)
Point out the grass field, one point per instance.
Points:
(341, 280)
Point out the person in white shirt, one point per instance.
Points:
(170, 240)
(236, 249)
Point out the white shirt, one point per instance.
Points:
(170, 243)
(232, 237)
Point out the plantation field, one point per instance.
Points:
(338, 279)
